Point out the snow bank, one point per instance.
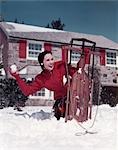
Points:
(28, 130)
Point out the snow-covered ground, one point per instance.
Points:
(36, 129)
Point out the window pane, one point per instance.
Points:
(75, 56)
(111, 58)
(34, 50)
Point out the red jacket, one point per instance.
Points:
(51, 80)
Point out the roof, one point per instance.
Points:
(53, 35)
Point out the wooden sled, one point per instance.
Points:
(79, 100)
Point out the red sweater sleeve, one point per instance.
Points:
(31, 88)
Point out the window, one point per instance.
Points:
(40, 93)
(43, 94)
(75, 56)
(34, 49)
(111, 58)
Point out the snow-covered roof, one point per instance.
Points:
(16, 27)
(53, 35)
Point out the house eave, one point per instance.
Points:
(55, 42)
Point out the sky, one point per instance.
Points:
(31, 130)
(99, 17)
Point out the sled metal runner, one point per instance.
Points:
(80, 87)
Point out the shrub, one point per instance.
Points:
(109, 96)
(10, 94)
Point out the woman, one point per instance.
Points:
(51, 78)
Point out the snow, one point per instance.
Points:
(13, 68)
(35, 128)
(16, 27)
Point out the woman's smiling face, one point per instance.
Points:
(48, 62)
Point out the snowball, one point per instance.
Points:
(13, 68)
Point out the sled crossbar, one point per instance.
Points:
(82, 40)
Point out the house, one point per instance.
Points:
(21, 44)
